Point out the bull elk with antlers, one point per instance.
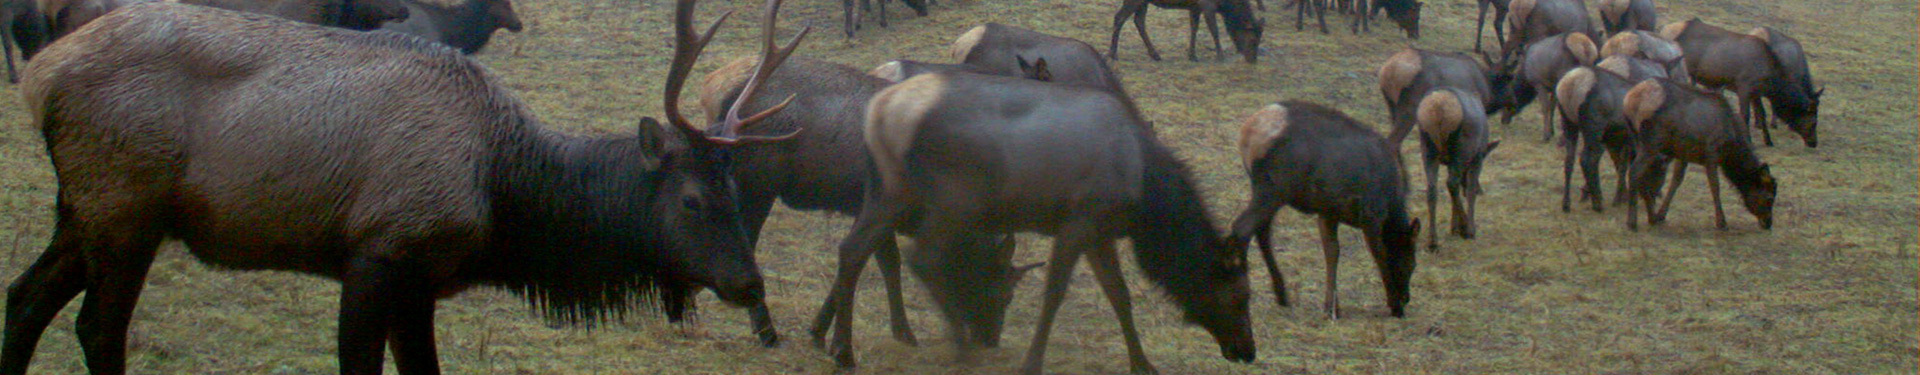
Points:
(401, 168)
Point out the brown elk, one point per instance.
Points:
(1409, 75)
(1538, 68)
(404, 170)
(1532, 20)
(65, 16)
(808, 172)
(1762, 64)
(1595, 122)
(1686, 125)
(1088, 172)
(1000, 48)
(1405, 13)
(1453, 132)
(1243, 28)
(1627, 15)
(1323, 163)
(467, 26)
(18, 20)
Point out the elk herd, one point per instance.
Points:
(279, 135)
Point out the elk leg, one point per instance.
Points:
(1213, 28)
(1299, 16)
(1482, 26)
(7, 43)
(1499, 28)
(888, 257)
(116, 271)
(1747, 118)
(1066, 253)
(754, 213)
(1546, 112)
(882, 14)
(919, 6)
(1462, 224)
(1621, 157)
(1193, 33)
(872, 228)
(1590, 151)
(1566, 176)
(1106, 269)
(851, 19)
(1140, 24)
(1320, 7)
(410, 334)
(1433, 170)
(1713, 185)
(1257, 220)
(38, 295)
(1642, 173)
(1673, 188)
(367, 303)
(1330, 246)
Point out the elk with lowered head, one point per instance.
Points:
(1405, 13)
(413, 178)
(1088, 173)
(1538, 67)
(467, 26)
(1762, 64)
(1595, 122)
(1678, 123)
(1242, 27)
(1323, 163)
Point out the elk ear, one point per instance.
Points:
(1489, 150)
(654, 140)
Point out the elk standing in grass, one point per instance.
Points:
(1539, 67)
(852, 17)
(1762, 64)
(1453, 132)
(19, 18)
(1532, 20)
(1408, 76)
(959, 154)
(467, 26)
(404, 170)
(1649, 46)
(1242, 27)
(1674, 122)
(1405, 13)
(1499, 22)
(1595, 122)
(1322, 163)
(1627, 15)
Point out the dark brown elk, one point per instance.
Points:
(1454, 133)
(1595, 123)
(810, 171)
(1763, 64)
(412, 178)
(1242, 27)
(1405, 13)
(19, 20)
(999, 48)
(1323, 163)
(1499, 22)
(1532, 20)
(1626, 15)
(467, 26)
(1408, 76)
(1088, 172)
(1678, 123)
(65, 16)
(1539, 67)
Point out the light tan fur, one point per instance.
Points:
(1614, 63)
(1622, 44)
(1614, 9)
(1673, 30)
(1582, 48)
(716, 85)
(1762, 33)
(966, 42)
(1439, 116)
(1397, 73)
(893, 119)
(889, 71)
(1572, 90)
(1517, 13)
(1258, 132)
(1643, 101)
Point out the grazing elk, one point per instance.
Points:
(1453, 132)
(956, 154)
(1000, 48)
(468, 26)
(1532, 20)
(852, 18)
(1242, 26)
(1539, 67)
(1595, 122)
(1323, 163)
(1762, 64)
(18, 19)
(1499, 22)
(396, 166)
(1408, 76)
(810, 171)
(1628, 15)
(1405, 13)
(1686, 125)
(66, 16)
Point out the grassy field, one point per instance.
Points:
(1830, 290)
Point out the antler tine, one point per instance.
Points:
(686, 49)
(771, 58)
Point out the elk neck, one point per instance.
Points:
(1738, 162)
(1172, 235)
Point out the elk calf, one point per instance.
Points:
(1532, 20)
(1539, 67)
(1242, 26)
(468, 26)
(1323, 163)
(1691, 126)
(1763, 64)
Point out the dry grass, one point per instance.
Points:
(1830, 290)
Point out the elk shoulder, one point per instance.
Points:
(1518, 11)
(1672, 31)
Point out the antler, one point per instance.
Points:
(728, 130)
(686, 49)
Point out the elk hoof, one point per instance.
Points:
(906, 337)
(769, 339)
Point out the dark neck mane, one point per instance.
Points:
(1172, 234)
(1739, 164)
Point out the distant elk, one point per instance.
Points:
(958, 154)
(1595, 122)
(18, 19)
(1761, 64)
(1538, 67)
(1323, 163)
(1649, 46)
(1013, 51)
(1405, 13)
(1454, 133)
(1627, 15)
(1409, 75)
(1685, 125)
(65, 16)
(852, 17)
(810, 171)
(1532, 20)
(1242, 26)
(396, 166)
(467, 26)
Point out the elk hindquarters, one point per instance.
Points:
(1673, 30)
(893, 119)
(964, 45)
(1258, 132)
(1582, 48)
(1398, 73)
(1642, 102)
(1572, 90)
(1439, 116)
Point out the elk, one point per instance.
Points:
(1762, 64)
(467, 26)
(1088, 172)
(1322, 163)
(66, 16)
(1000, 48)
(1539, 67)
(853, 18)
(1499, 15)
(1595, 122)
(900, 70)
(1649, 46)
(1637, 69)
(1405, 13)
(1409, 75)
(1453, 132)
(1242, 27)
(1532, 20)
(808, 172)
(1627, 15)
(404, 170)
(1686, 125)
(19, 19)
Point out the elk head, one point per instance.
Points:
(1397, 265)
(366, 15)
(501, 11)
